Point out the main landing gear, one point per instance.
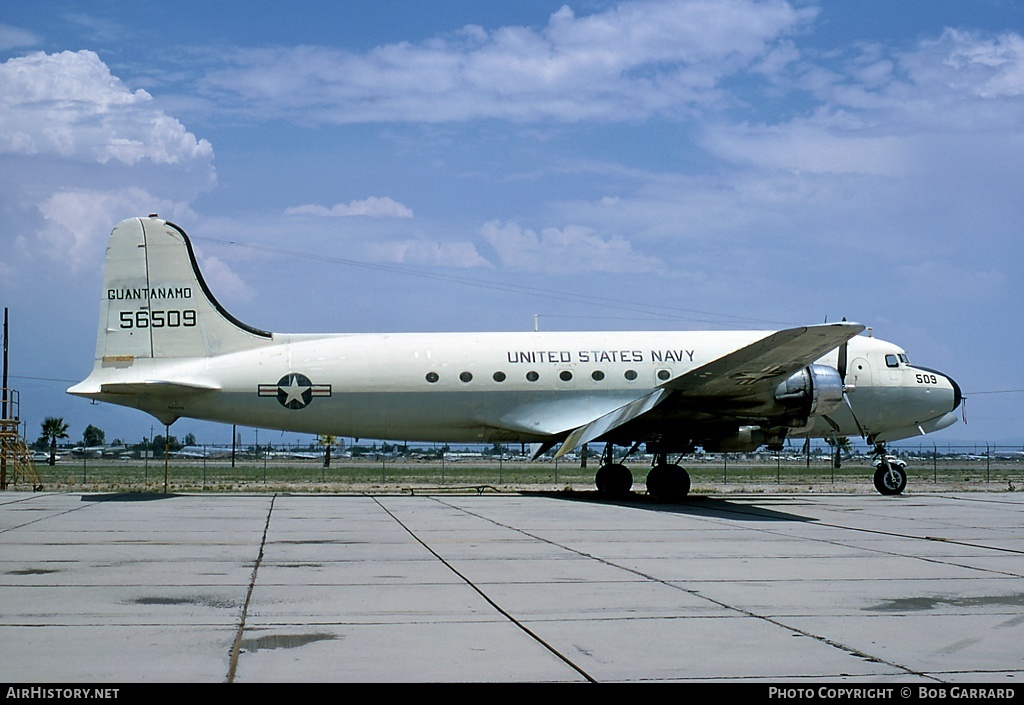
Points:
(890, 472)
(614, 480)
(665, 481)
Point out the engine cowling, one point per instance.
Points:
(743, 440)
(813, 391)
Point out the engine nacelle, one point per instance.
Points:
(744, 440)
(813, 391)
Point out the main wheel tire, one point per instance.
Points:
(890, 480)
(614, 480)
(669, 483)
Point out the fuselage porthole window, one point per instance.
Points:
(466, 376)
(532, 376)
(499, 376)
(565, 375)
(663, 375)
(630, 375)
(597, 375)
(432, 377)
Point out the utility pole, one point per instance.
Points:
(167, 452)
(3, 409)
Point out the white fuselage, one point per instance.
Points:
(486, 387)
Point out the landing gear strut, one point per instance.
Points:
(890, 472)
(667, 481)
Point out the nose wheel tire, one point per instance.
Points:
(890, 479)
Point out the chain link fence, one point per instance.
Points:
(978, 467)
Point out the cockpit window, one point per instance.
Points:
(904, 359)
(891, 361)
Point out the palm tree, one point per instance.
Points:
(54, 428)
(842, 445)
(328, 440)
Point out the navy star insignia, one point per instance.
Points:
(294, 391)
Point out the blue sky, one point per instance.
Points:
(403, 165)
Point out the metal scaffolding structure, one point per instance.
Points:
(15, 460)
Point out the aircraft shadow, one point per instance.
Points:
(127, 496)
(694, 505)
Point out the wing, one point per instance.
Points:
(757, 369)
(749, 373)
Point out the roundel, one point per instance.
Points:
(294, 390)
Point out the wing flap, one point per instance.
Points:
(612, 420)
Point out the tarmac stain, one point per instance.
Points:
(283, 641)
(32, 571)
(918, 604)
(195, 600)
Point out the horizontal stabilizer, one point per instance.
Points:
(156, 388)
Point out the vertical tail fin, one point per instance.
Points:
(155, 303)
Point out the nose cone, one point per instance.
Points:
(952, 393)
(957, 394)
(928, 401)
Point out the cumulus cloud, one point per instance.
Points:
(808, 148)
(887, 113)
(79, 151)
(11, 37)
(372, 207)
(78, 222)
(570, 249)
(223, 280)
(71, 106)
(631, 61)
(986, 66)
(460, 255)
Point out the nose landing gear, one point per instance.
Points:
(890, 472)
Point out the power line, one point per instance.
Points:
(46, 379)
(664, 312)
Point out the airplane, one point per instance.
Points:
(165, 345)
(200, 452)
(88, 451)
